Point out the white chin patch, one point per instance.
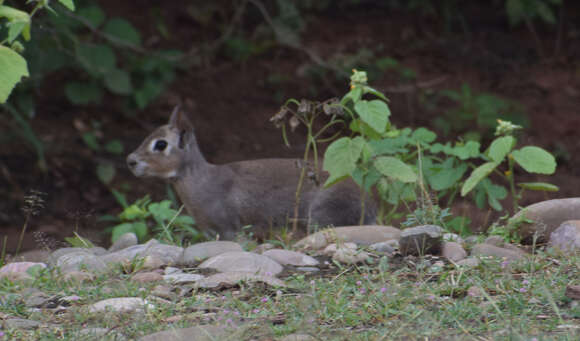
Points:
(138, 170)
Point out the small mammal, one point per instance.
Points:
(226, 197)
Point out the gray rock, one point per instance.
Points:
(331, 249)
(97, 250)
(287, 257)
(56, 254)
(547, 216)
(163, 291)
(347, 255)
(243, 261)
(566, 237)
(171, 270)
(453, 251)
(499, 252)
(421, 240)
(147, 277)
(263, 247)
(182, 278)
(307, 269)
(473, 239)
(469, 262)
(36, 256)
(162, 253)
(234, 277)
(495, 241)
(37, 299)
(298, 337)
(21, 324)
(80, 260)
(105, 334)
(125, 240)
(120, 304)
(361, 235)
(16, 276)
(197, 333)
(202, 251)
(453, 237)
(21, 267)
(390, 246)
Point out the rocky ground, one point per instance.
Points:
(220, 290)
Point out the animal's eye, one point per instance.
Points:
(160, 145)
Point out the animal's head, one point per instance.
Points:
(164, 153)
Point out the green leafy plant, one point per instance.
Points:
(17, 25)
(307, 113)
(532, 159)
(400, 162)
(157, 219)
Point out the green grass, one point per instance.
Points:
(393, 299)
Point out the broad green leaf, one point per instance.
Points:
(106, 172)
(444, 175)
(463, 151)
(535, 160)
(118, 82)
(151, 89)
(371, 177)
(13, 14)
(15, 28)
(96, 59)
(90, 140)
(539, 186)
(395, 169)
(139, 228)
(68, 4)
(494, 194)
(93, 14)
(341, 157)
(123, 30)
(353, 95)
(83, 93)
(368, 89)
(390, 145)
(375, 113)
(477, 175)
(134, 212)
(423, 135)
(12, 68)
(114, 147)
(500, 147)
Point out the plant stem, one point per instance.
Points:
(512, 183)
(21, 238)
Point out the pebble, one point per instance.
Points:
(243, 261)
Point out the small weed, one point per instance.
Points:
(156, 219)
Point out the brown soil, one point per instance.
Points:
(230, 104)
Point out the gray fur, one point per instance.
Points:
(261, 193)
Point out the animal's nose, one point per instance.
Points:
(131, 160)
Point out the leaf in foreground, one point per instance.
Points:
(12, 68)
(535, 160)
(477, 175)
(341, 157)
(395, 169)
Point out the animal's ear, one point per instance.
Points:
(183, 125)
(179, 120)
